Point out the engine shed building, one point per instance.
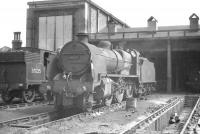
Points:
(51, 24)
(175, 50)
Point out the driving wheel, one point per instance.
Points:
(29, 95)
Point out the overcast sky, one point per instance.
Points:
(134, 12)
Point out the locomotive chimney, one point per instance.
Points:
(16, 43)
(83, 37)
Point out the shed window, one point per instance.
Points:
(118, 26)
(93, 20)
(50, 33)
(102, 23)
(54, 31)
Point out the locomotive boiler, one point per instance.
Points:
(83, 74)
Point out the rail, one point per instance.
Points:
(28, 119)
(23, 105)
(151, 117)
(80, 116)
(31, 126)
(190, 117)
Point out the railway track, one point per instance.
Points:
(34, 119)
(81, 116)
(34, 122)
(191, 125)
(184, 113)
(140, 126)
(187, 120)
(23, 105)
(31, 123)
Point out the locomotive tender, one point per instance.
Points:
(84, 74)
(22, 71)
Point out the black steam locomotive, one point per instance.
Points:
(83, 75)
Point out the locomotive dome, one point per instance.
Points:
(105, 44)
(75, 57)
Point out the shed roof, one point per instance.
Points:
(151, 19)
(76, 1)
(194, 16)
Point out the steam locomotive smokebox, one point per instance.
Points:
(131, 104)
(194, 22)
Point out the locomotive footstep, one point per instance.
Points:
(119, 96)
(129, 91)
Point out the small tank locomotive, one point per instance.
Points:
(84, 75)
(22, 71)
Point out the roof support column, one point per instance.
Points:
(169, 66)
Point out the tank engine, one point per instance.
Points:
(84, 74)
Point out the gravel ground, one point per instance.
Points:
(10, 115)
(112, 122)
